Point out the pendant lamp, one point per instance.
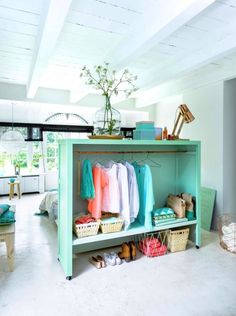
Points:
(12, 141)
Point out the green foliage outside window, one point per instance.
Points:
(20, 159)
(52, 150)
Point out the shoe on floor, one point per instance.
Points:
(125, 252)
(110, 260)
(101, 260)
(133, 252)
(117, 258)
(94, 261)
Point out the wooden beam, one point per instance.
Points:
(52, 22)
(161, 20)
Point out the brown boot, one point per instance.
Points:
(125, 252)
(133, 251)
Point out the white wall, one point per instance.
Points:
(51, 180)
(206, 104)
(229, 146)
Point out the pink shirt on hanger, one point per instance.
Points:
(111, 196)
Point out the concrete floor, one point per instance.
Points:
(192, 282)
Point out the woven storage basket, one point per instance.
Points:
(177, 239)
(112, 227)
(85, 230)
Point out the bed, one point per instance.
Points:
(49, 204)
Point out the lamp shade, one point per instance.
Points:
(12, 141)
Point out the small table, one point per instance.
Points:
(12, 189)
(7, 235)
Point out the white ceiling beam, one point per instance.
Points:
(52, 22)
(206, 75)
(190, 63)
(80, 93)
(157, 23)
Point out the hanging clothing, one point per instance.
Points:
(111, 193)
(79, 176)
(100, 181)
(122, 177)
(133, 192)
(146, 196)
(87, 187)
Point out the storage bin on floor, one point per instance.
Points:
(227, 231)
(153, 244)
(177, 239)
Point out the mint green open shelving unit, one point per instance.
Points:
(178, 171)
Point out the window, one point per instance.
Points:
(52, 149)
(22, 130)
(8, 161)
(5, 163)
(37, 155)
(34, 154)
(21, 158)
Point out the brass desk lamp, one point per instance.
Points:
(184, 116)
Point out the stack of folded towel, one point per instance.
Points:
(152, 247)
(163, 215)
(110, 220)
(229, 236)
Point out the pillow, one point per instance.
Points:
(4, 208)
(8, 217)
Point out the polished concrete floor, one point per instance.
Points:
(192, 282)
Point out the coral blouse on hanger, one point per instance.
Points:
(100, 181)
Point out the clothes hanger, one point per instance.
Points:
(147, 158)
(156, 164)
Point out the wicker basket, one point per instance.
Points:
(112, 227)
(153, 244)
(85, 230)
(177, 239)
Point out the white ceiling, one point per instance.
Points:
(45, 43)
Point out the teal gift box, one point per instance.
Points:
(147, 134)
(145, 125)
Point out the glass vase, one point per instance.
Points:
(107, 121)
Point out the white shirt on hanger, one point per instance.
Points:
(122, 177)
(133, 192)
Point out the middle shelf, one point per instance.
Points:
(135, 229)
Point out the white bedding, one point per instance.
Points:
(50, 204)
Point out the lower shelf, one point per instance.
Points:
(136, 229)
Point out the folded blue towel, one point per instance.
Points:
(163, 211)
(110, 220)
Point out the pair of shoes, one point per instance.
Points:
(117, 258)
(128, 251)
(98, 261)
(112, 258)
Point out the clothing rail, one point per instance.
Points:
(129, 152)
